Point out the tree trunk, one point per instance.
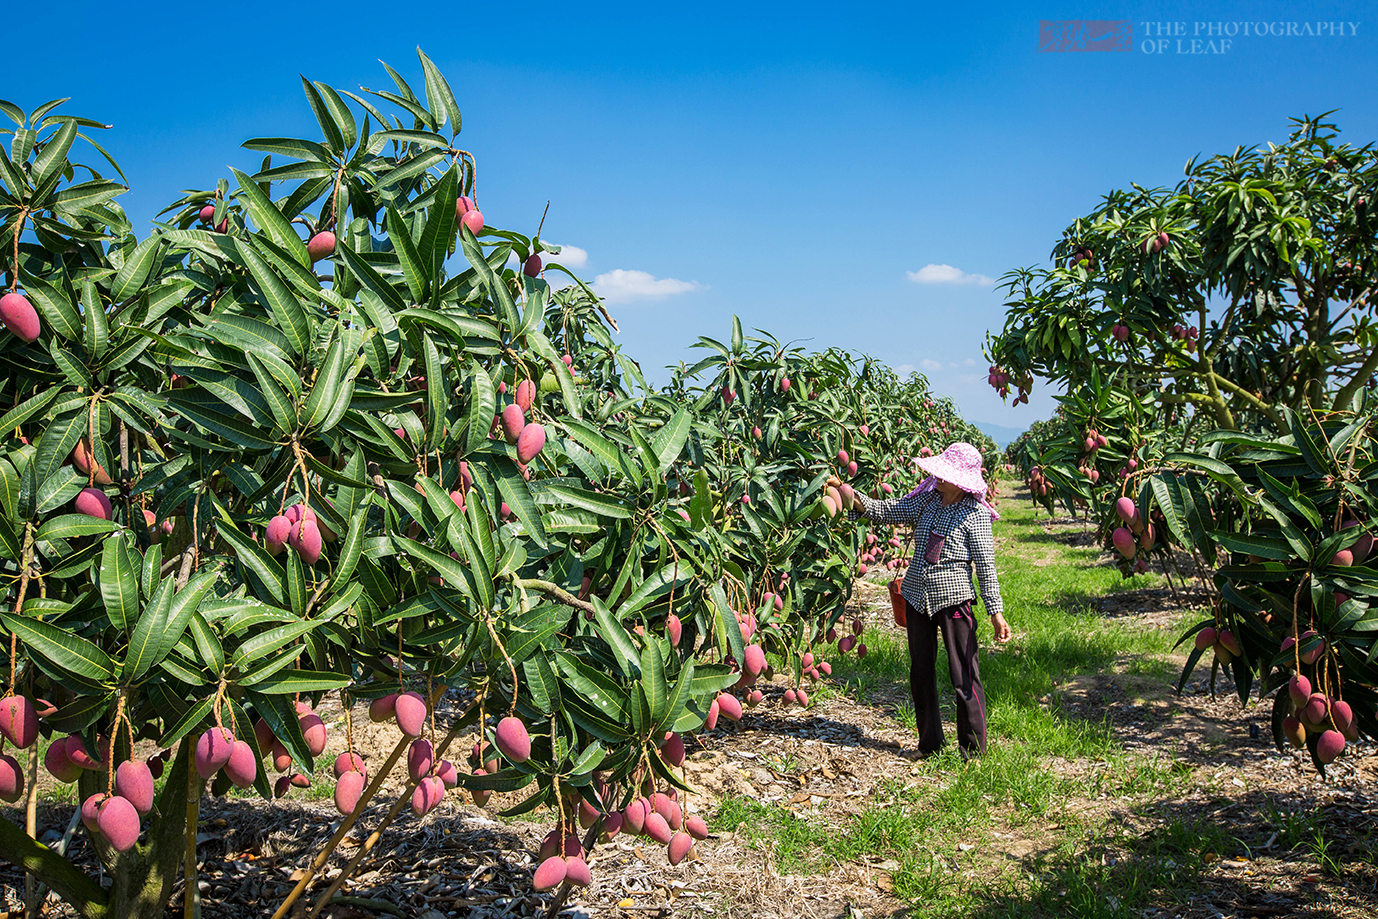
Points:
(144, 877)
(1318, 333)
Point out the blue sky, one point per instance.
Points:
(799, 166)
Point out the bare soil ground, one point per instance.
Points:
(837, 760)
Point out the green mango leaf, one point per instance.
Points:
(352, 548)
(513, 490)
(453, 572)
(615, 634)
(53, 304)
(1217, 470)
(281, 715)
(653, 684)
(163, 622)
(279, 403)
(296, 583)
(483, 406)
(701, 502)
(326, 391)
(269, 219)
(604, 505)
(262, 567)
(295, 681)
(371, 280)
(119, 582)
(495, 287)
(504, 780)
(192, 719)
(661, 582)
(66, 651)
(1301, 546)
(133, 274)
(669, 441)
(438, 236)
(55, 446)
(207, 643)
(678, 700)
(440, 100)
(52, 159)
(69, 526)
(340, 114)
(729, 630)
(292, 320)
(291, 146)
(415, 270)
(436, 397)
(30, 407)
(592, 687)
(275, 639)
(82, 712)
(1264, 546)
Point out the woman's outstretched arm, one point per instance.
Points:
(904, 509)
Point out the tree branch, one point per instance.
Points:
(555, 592)
(70, 883)
(1351, 389)
(1254, 401)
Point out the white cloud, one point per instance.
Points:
(969, 362)
(930, 366)
(903, 371)
(570, 256)
(622, 285)
(946, 274)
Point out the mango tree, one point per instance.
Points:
(1237, 301)
(1286, 523)
(326, 430)
(1244, 288)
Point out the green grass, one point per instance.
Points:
(1092, 869)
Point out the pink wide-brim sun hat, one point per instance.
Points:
(959, 464)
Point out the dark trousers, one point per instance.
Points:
(958, 626)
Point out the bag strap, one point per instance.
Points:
(914, 530)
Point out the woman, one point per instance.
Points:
(952, 531)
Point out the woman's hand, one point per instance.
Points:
(1001, 627)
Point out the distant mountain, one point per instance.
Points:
(1002, 435)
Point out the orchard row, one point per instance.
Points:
(328, 430)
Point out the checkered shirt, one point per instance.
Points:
(968, 544)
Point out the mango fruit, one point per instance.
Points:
(93, 503)
(1328, 746)
(134, 783)
(320, 245)
(19, 316)
(409, 709)
(242, 766)
(549, 874)
(530, 442)
(213, 751)
(512, 738)
(118, 822)
(349, 787)
(11, 779)
(19, 721)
